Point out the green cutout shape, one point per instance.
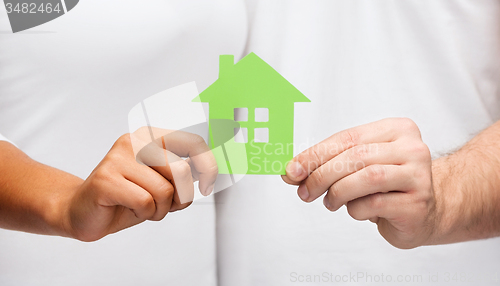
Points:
(251, 84)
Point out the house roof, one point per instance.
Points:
(253, 79)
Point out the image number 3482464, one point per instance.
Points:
(26, 14)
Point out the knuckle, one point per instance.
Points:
(359, 153)
(334, 193)
(146, 205)
(316, 155)
(421, 150)
(145, 201)
(406, 122)
(349, 138)
(303, 159)
(312, 159)
(408, 125)
(181, 170)
(103, 173)
(165, 192)
(375, 174)
(375, 201)
(112, 158)
(317, 178)
(198, 140)
(123, 145)
(353, 211)
(124, 140)
(213, 170)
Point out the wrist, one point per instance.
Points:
(466, 196)
(449, 201)
(57, 213)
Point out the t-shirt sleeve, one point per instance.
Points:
(2, 138)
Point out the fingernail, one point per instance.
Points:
(326, 202)
(209, 190)
(303, 192)
(295, 169)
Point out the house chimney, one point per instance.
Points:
(225, 64)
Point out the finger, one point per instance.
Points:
(127, 194)
(182, 144)
(159, 187)
(178, 172)
(399, 216)
(348, 162)
(194, 172)
(182, 180)
(177, 207)
(386, 130)
(289, 181)
(172, 167)
(378, 205)
(201, 157)
(370, 180)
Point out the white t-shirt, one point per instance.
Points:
(66, 88)
(435, 61)
(2, 138)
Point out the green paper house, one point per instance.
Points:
(251, 111)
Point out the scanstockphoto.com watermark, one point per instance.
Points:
(318, 155)
(365, 277)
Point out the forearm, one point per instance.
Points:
(467, 189)
(33, 196)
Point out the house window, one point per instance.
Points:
(241, 135)
(252, 123)
(261, 114)
(261, 135)
(241, 114)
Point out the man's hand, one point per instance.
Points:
(381, 171)
(143, 177)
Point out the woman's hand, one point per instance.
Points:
(141, 178)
